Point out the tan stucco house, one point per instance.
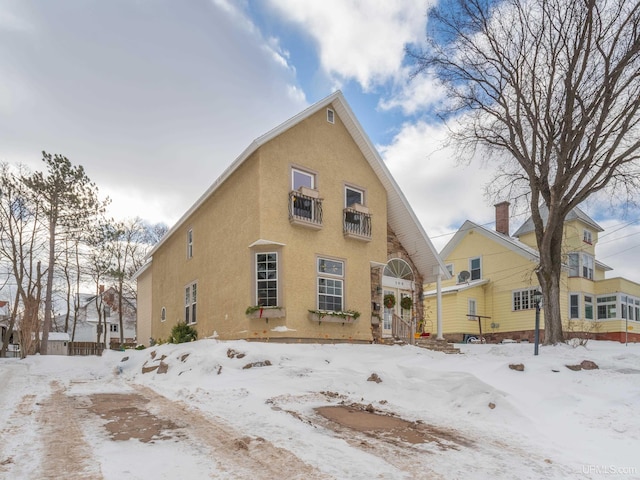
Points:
(300, 239)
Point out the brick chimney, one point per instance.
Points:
(502, 218)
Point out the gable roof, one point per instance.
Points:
(575, 214)
(508, 242)
(401, 217)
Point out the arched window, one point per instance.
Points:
(163, 314)
(398, 268)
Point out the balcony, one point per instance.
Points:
(305, 208)
(357, 223)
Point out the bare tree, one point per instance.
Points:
(68, 200)
(550, 88)
(22, 243)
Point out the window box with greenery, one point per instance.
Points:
(257, 311)
(347, 316)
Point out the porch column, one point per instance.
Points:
(439, 306)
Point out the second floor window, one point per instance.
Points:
(581, 265)
(300, 178)
(353, 196)
(475, 268)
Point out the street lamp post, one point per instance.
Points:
(537, 298)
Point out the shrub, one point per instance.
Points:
(182, 333)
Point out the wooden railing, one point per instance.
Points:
(402, 329)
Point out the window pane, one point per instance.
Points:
(475, 269)
(574, 307)
(352, 196)
(331, 267)
(267, 279)
(574, 264)
(302, 179)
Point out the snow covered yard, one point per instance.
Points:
(432, 415)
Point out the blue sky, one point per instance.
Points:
(155, 98)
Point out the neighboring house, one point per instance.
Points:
(493, 281)
(4, 319)
(87, 321)
(298, 240)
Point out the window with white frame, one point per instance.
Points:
(330, 284)
(581, 265)
(330, 115)
(588, 307)
(353, 196)
(623, 306)
(574, 305)
(190, 296)
(587, 266)
(475, 267)
(113, 327)
(267, 279)
(472, 307)
(587, 236)
(300, 178)
(190, 243)
(523, 299)
(449, 267)
(607, 306)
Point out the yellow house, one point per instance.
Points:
(493, 283)
(300, 239)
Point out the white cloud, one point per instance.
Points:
(415, 94)
(442, 193)
(359, 39)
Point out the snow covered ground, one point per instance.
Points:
(474, 416)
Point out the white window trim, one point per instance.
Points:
(190, 243)
(355, 189)
(257, 280)
(331, 116)
(450, 269)
(191, 304)
(587, 236)
(471, 270)
(530, 303)
(470, 311)
(330, 276)
(302, 171)
(579, 297)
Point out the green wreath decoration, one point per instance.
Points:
(389, 300)
(406, 303)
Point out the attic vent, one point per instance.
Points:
(330, 116)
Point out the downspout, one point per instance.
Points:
(439, 306)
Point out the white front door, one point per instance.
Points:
(397, 309)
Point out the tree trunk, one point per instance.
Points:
(48, 302)
(550, 248)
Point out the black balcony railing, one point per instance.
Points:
(356, 223)
(305, 210)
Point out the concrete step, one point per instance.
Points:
(437, 345)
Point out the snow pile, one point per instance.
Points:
(546, 421)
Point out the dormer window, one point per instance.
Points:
(587, 237)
